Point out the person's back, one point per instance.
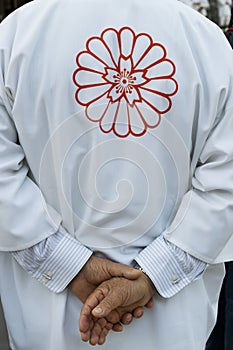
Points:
(111, 101)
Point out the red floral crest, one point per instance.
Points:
(125, 81)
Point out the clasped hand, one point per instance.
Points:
(112, 294)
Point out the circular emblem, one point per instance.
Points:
(125, 82)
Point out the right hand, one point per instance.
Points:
(93, 273)
(116, 297)
(97, 270)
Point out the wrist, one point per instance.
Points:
(138, 267)
(146, 278)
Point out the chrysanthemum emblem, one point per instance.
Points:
(125, 82)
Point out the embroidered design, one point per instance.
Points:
(125, 81)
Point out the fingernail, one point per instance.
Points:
(98, 310)
(128, 319)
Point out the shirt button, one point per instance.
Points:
(49, 274)
(175, 279)
(46, 277)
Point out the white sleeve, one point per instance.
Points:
(24, 213)
(203, 224)
(26, 218)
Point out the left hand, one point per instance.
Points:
(117, 295)
(95, 271)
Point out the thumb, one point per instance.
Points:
(108, 304)
(122, 270)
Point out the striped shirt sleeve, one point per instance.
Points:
(58, 259)
(169, 267)
(54, 261)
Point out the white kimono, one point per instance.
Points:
(224, 12)
(123, 112)
(187, 2)
(204, 7)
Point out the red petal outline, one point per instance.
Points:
(145, 123)
(89, 103)
(101, 118)
(140, 97)
(116, 63)
(156, 62)
(138, 36)
(117, 34)
(88, 85)
(83, 67)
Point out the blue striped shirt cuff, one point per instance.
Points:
(54, 261)
(169, 267)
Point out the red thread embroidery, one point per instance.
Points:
(125, 81)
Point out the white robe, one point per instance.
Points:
(224, 12)
(187, 2)
(114, 185)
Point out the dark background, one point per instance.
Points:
(7, 6)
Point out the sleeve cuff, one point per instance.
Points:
(63, 264)
(169, 268)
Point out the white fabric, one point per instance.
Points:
(187, 2)
(114, 187)
(177, 323)
(224, 12)
(196, 5)
(201, 6)
(204, 7)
